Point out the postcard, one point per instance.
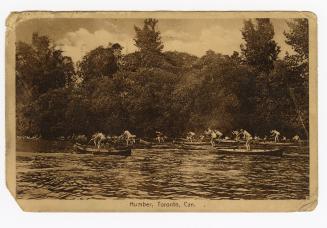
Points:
(162, 111)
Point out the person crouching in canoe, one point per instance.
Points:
(275, 134)
(296, 138)
(236, 135)
(247, 137)
(98, 138)
(219, 134)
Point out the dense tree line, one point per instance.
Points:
(170, 91)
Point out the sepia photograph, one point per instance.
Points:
(163, 110)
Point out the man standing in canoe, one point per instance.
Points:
(276, 134)
(129, 138)
(160, 137)
(247, 137)
(98, 138)
(213, 136)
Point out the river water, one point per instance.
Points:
(59, 173)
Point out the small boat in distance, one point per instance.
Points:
(85, 149)
(238, 151)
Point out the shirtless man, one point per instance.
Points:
(160, 137)
(98, 138)
(129, 138)
(237, 135)
(219, 134)
(248, 138)
(296, 138)
(213, 136)
(275, 134)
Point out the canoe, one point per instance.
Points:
(222, 141)
(102, 151)
(271, 152)
(276, 143)
(194, 143)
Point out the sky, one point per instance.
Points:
(195, 36)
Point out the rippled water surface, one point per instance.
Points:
(161, 173)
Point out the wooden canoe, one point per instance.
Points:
(102, 151)
(277, 143)
(271, 152)
(194, 143)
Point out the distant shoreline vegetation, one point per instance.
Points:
(172, 92)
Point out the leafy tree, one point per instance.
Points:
(259, 50)
(148, 41)
(41, 67)
(220, 93)
(298, 66)
(172, 92)
(132, 62)
(149, 101)
(53, 106)
(77, 112)
(100, 62)
(298, 37)
(45, 116)
(178, 62)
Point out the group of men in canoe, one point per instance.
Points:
(214, 135)
(99, 138)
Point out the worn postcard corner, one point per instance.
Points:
(162, 111)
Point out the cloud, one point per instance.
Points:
(76, 44)
(216, 38)
(176, 35)
(219, 38)
(279, 27)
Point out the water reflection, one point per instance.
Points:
(164, 173)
